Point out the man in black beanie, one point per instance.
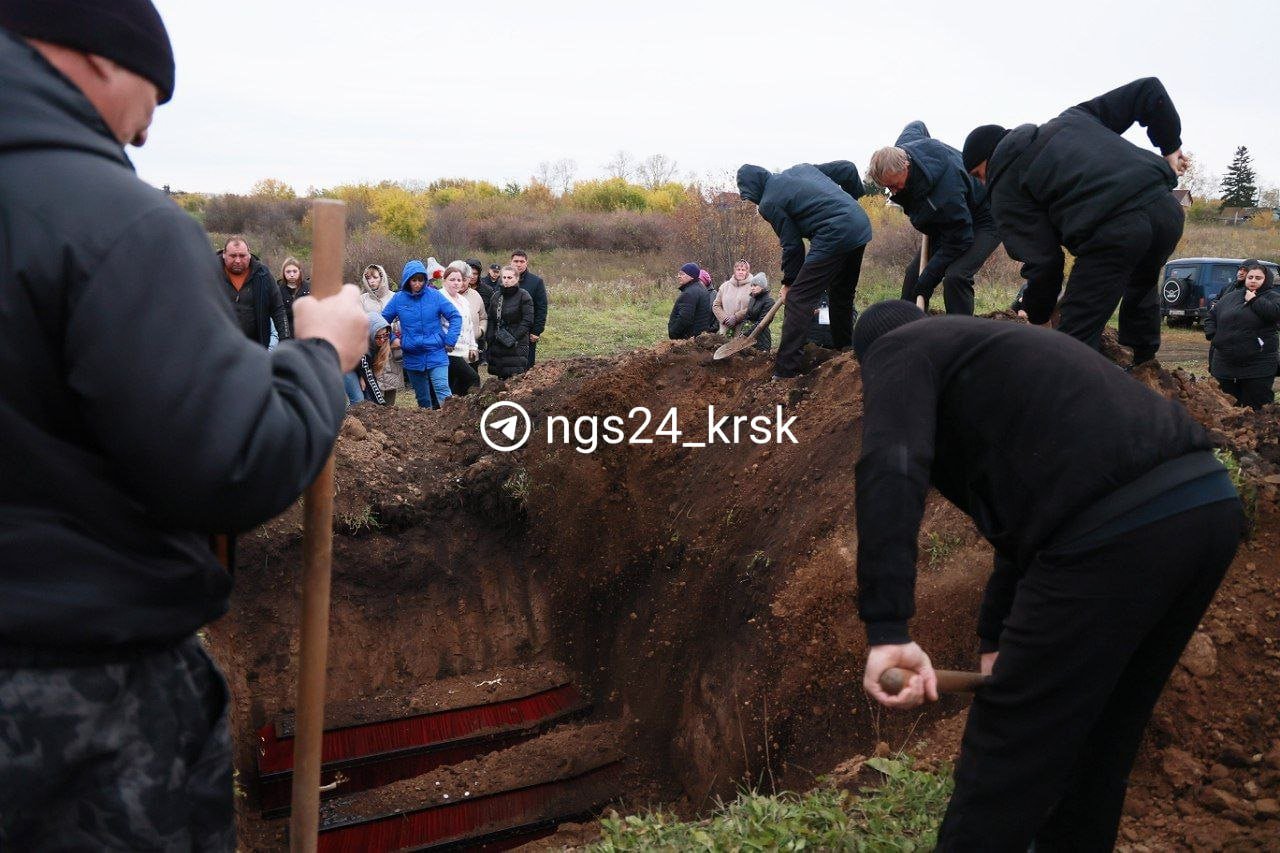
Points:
(120, 456)
(1076, 182)
(1112, 524)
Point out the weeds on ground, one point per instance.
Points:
(362, 521)
(902, 814)
(1248, 491)
(940, 548)
(517, 486)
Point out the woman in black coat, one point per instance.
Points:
(1243, 328)
(510, 322)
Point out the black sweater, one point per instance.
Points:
(1053, 185)
(1021, 427)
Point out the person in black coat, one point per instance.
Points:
(1112, 523)
(757, 307)
(691, 314)
(293, 285)
(537, 289)
(254, 294)
(137, 419)
(511, 314)
(1242, 328)
(1076, 182)
(946, 204)
(817, 203)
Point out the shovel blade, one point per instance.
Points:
(738, 344)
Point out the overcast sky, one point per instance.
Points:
(318, 93)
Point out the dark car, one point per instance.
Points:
(1190, 286)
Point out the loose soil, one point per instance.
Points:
(703, 598)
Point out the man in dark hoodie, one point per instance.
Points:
(1076, 182)
(1112, 524)
(946, 204)
(818, 203)
(118, 460)
(253, 293)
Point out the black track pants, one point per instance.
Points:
(1121, 264)
(1091, 639)
(835, 275)
(957, 282)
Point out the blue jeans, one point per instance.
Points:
(426, 382)
(351, 384)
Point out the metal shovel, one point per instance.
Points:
(741, 342)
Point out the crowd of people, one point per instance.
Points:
(1111, 520)
(434, 332)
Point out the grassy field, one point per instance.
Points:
(901, 814)
(605, 303)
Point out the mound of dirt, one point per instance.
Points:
(703, 597)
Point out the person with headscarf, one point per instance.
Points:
(375, 295)
(374, 362)
(1242, 329)
(819, 204)
(758, 305)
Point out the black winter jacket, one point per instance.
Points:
(268, 305)
(537, 289)
(818, 203)
(1244, 335)
(691, 315)
(942, 200)
(288, 295)
(512, 310)
(1053, 185)
(1021, 427)
(757, 307)
(136, 417)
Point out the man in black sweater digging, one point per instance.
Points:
(1112, 524)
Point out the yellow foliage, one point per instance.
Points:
(399, 213)
(272, 188)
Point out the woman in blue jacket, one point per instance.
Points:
(425, 339)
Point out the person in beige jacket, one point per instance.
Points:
(730, 306)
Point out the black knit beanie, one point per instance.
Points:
(880, 319)
(980, 143)
(128, 32)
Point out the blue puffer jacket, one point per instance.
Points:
(941, 199)
(806, 201)
(424, 342)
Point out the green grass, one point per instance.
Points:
(902, 814)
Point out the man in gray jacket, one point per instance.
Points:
(121, 455)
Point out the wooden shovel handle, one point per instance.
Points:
(892, 680)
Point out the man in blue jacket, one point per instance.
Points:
(820, 204)
(946, 204)
(1076, 182)
(424, 341)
